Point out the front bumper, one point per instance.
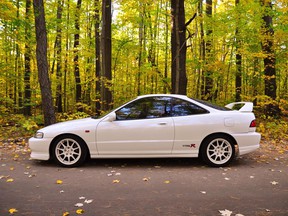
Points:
(39, 148)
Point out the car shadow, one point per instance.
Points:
(145, 162)
(148, 163)
(131, 162)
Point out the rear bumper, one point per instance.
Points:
(247, 142)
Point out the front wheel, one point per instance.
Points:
(69, 151)
(218, 151)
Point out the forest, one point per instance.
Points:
(63, 58)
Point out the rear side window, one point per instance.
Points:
(184, 108)
(214, 106)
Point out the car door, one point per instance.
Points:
(142, 127)
(190, 122)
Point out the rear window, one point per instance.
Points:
(214, 106)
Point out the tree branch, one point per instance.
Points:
(190, 20)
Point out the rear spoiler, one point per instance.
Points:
(246, 106)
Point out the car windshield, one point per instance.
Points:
(214, 106)
(102, 114)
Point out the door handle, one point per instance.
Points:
(162, 123)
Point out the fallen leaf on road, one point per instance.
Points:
(239, 215)
(227, 179)
(59, 182)
(79, 211)
(116, 181)
(65, 214)
(13, 210)
(203, 192)
(167, 182)
(88, 201)
(78, 205)
(274, 183)
(10, 180)
(145, 179)
(225, 212)
(81, 198)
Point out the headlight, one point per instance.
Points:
(39, 135)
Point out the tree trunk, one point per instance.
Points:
(272, 109)
(208, 80)
(106, 95)
(167, 88)
(18, 96)
(238, 61)
(27, 62)
(141, 50)
(58, 47)
(42, 63)
(76, 53)
(178, 43)
(201, 79)
(98, 57)
(65, 70)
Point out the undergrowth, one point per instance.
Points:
(15, 125)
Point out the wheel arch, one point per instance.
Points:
(217, 134)
(53, 142)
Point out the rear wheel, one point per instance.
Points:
(69, 151)
(218, 151)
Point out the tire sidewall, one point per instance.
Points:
(82, 145)
(204, 153)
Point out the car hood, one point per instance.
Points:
(70, 126)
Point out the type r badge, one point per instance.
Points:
(190, 146)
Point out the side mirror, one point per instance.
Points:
(111, 117)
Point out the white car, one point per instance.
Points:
(153, 126)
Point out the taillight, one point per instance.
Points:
(253, 123)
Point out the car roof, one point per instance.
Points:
(164, 95)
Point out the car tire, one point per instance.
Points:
(218, 151)
(69, 151)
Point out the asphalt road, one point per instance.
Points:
(254, 185)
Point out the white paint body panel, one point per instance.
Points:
(135, 137)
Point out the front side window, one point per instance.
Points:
(145, 108)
